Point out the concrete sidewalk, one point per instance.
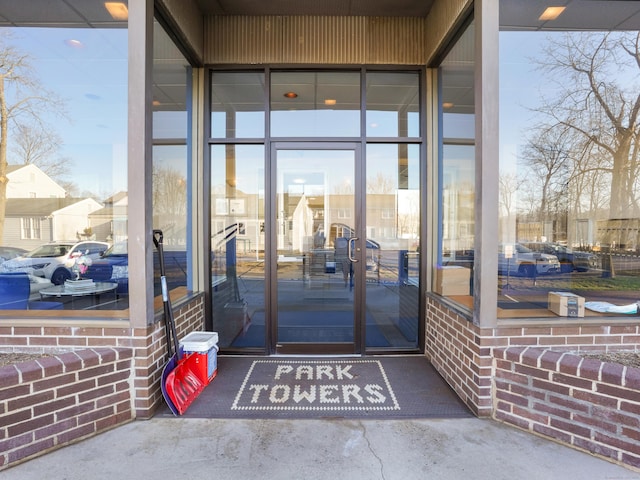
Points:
(447, 449)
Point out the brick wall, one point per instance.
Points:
(56, 400)
(462, 352)
(582, 402)
(454, 349)
(148, 344)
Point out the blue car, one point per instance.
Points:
(112, 266)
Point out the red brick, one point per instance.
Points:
(617, 442)
(630, 407)
(569, 364)
(532, 372)
(95, 371)
(512, 419)
(30, 400)
(76, 433)
(96, 393)
(560, 435)
(29, 450)
(595, 422)
(14, 391)
(572, 381)
(552, 410)
(51, 366)
(631, 460)
(515, 399)
(52, 382)
(550, 386)
(73, 411)
(632, 378)
(550, 360)
(595, 398)
(29, 425)
(570, 427)
(113, 378)
(616, 392)
(532, 415)
(595, 448)
(569, 403)
(612, 373)
(53, 406)
(527, 392)
(76, 388)
(590, 368)
(29, 371)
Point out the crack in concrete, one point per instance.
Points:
(363, 429)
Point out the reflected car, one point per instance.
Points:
(54, 261)
(525, 262)
(570, 260)
(7, 253)
(112, 266)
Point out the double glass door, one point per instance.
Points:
(315, 250)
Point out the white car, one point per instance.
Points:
(520, 260)
(54, 261)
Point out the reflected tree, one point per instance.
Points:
(23, 100)
(597, 102)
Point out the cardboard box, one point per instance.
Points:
(204, 345)
(566, 304)
(452, 280)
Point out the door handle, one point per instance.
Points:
(350, 244)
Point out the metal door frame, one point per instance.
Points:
(359, 268)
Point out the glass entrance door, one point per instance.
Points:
(317, 250)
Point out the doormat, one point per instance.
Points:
(316, 388)
(318, 385)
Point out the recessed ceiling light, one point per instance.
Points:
(330, 101)
(551, 13)
(117, 10)
(447, 105)
(291, 95)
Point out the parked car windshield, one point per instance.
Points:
(522, 249)
(49, 251)
(116, 249)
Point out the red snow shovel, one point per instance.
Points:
(180, 383)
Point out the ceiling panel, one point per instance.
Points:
(375, 8)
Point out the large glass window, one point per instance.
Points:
(569, 157)
(238, 244)
(454, 270)
(171, 183)
(315, 104)
(64, 152)
(393, 104)
(237, 105)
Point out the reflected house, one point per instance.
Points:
(110, 222)
(302, 226)
(30, 222)
(38, 210)
(29, 181)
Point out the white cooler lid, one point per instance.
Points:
(199, 341)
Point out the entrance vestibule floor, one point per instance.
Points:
(326, 387)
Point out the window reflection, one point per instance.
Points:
(393, 104)
(171, 136)
(237, 104)
(569, 155)
(315, 104)
(454, 269)
(66, 146)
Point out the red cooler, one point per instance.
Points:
(204, 345)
